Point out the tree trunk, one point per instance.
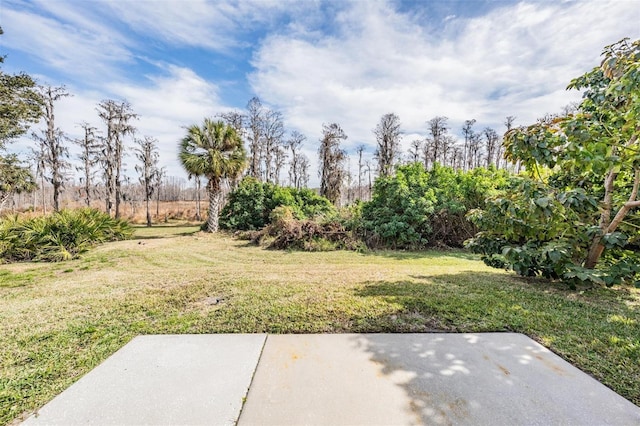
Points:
(606, 224)
(56, 195)
(215, 199)
(148, 212)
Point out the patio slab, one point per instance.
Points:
(162, 379)
(434, 379)
(339, 379)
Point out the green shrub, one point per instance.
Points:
(60, 236)
(417, 208)
(251, 204)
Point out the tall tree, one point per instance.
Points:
(415, 151)
(117, 117)
(303, 171)
(147, 153)
(294, 143)
(272, 134)
(332, 158)
(388, 138)
(213, 150)
(467, 130)
(20, 104)
(51, 141)
(89, 156)
(491, 143)
(255, 129)
(438, 130)
(360, 151)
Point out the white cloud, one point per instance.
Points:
(515, 60)
(91, 52)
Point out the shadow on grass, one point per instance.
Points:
(161, 231)
(426, 254)
(596, 330)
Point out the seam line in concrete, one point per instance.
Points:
(253, 375)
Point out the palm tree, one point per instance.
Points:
(215, 151)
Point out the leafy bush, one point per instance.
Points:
(60, 236)
(545, 229)
(417, 208)
(251, 204)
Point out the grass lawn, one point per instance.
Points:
(60, 320)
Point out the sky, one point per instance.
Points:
(345, 62)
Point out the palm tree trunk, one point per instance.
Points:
(215, 199)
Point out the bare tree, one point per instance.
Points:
(147, 153)
(157, 183)
(272, 132)
(279, 162)
(117, 117)
(491, 142)
(415, 151)
(234, 119)
(89, 157)
(360, 151)
(51, 141)
(332, 158)
(255, 128)
(294, 143)
(303, 171)
(437, 136)
(388, 137)
(475, 149)
(467, 130)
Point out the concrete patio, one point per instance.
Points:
(337, 379)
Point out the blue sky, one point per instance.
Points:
(318, 62)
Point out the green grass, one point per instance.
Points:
(60, 320)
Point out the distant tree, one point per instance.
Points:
(213, 150)
(360, 151)
(415, 151)
(147, 153)
(475, 150)
(51, 141)
(255, 129)
(468, 132)
(294, 143)
(388, 138)
(332, 158)
(117, 117)
(234, 119)
(438, 132)
(20, 104)
(491, 143)
(272, 134)
(303, 172)
(89, 156)
(14, 178)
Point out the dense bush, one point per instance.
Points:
(545, 229)
(417, 208)
(57, 237)
(251, 204)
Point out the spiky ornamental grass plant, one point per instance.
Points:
(60, 236)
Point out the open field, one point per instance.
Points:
(60, 320)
